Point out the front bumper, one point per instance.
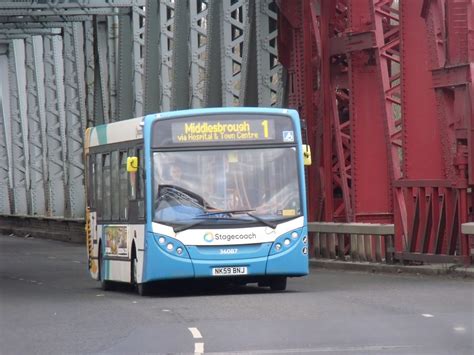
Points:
(160, 264)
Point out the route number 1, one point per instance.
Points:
(265, 128)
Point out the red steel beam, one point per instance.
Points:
(385, 16)
(295, 50)
(450, 26)
(393, 137)
(422, 136)
(371, 183)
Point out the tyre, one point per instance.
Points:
(263, 283)
(104, 284)
(143, 289)
(278, 284)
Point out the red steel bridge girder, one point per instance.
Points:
(393, 137)
(295, 50)
(371, 183)
(348, 137)
(450, 25)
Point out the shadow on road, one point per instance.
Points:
(202, 287)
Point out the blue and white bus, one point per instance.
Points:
(203, 193)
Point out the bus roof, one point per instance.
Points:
(120, 131)
(128, 130)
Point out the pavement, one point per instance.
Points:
(451, 270)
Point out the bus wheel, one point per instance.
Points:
(105, 285)
(143, 289)
(278, 283)
(133, 270)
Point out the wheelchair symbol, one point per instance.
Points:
(288, 136)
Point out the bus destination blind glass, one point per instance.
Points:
(219, 131)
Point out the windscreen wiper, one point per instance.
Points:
(229, 212)
(193, 224)
(247, 212)
(187, 226)
(261, 220)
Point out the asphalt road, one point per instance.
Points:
(49, 305)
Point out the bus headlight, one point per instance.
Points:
(294, 235)
(287, 242)
(277, 246)
(169, 246)
(179, 250)
(162, 240)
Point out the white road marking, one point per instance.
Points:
(337, 349)
(100, 295)
(134, 301)
(460, 329)
(427, 315)
(195, 332)
(75, 261)
(165, 310)
(199, 348)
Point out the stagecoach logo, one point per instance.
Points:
(209, 237)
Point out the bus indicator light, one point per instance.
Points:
(287, 242)
(277, 246)
(169, 246)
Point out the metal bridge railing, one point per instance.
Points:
(352, 241)
(468, 229)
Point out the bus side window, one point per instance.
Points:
(114, 192)
(98, 185)
(90, 162)
(106, 187)
(132, 189)
(141, 184)
(123, 186)
(136, 188)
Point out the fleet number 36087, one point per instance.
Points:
(229, 251)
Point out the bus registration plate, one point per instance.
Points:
(229, 270)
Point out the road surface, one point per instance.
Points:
(49, 305)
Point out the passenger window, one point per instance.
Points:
(141, 184)
(132, 180)
(123, 187)
(90, 163)
(114, 193)
(98, 185)
(141, 175)
(106, 187)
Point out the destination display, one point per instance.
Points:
(223, 130)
